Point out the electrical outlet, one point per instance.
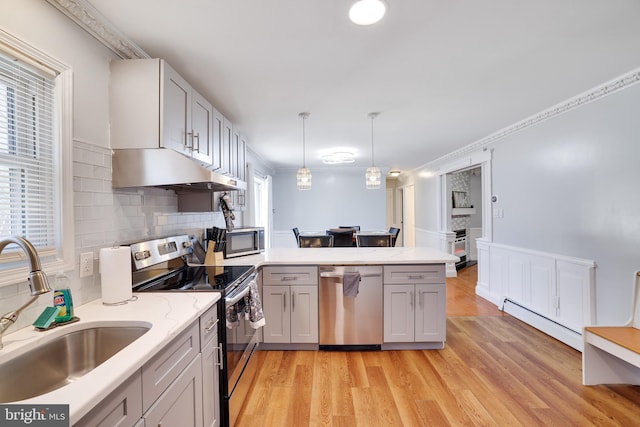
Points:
(86, 264)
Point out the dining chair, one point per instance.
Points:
(373, 240)
(341, 238)
(296, 233)
(394, 235)
(315, 241)
(353, 227)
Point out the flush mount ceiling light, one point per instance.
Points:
(394, 174)
(304, 174)
(373, 174)
(367, 12)
(338, 157)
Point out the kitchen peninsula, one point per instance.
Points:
(401, 302)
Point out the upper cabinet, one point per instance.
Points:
(152, 106)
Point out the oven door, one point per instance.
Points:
(240, 351)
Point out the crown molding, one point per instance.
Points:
(591, 95)
(92, 21)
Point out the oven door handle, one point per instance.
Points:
(236, 298)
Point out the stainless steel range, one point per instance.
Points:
(160, 265)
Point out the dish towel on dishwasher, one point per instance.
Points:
(350, 284)
(249, 307)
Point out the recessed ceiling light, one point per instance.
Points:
(367, 12)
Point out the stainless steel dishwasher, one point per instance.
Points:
(350, 323)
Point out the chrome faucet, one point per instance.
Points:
(38, 282)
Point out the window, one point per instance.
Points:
(27, 184)
(35, 158)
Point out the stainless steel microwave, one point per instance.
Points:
(244, 241)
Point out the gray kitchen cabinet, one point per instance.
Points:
(123, 407)
(414, 305)
(152, 106)
(181, 403)
(211, 356)
(164, 368)
(290, 304)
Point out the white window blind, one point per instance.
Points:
(28, 179)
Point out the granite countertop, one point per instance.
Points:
(167, 314)
(345, 256)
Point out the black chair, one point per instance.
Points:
(394, 235)
(296, 233)
(341, 238)
(353, 227)
(373, 240)
(315, 241)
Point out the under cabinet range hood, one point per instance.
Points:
(166, 168)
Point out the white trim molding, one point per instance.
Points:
(607, 88)
(92, 21)
(554, 293)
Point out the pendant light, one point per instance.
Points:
(304, 174)
(373, 173)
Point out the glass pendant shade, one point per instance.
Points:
(373, 178)
(373, 174)
(304, 178)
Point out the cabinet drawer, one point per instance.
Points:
(123, 407)
(405, 274)
(294, 275)
(208, 325)
(165, 367)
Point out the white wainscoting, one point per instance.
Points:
(554, 293)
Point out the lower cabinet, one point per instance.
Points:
(292, 312)
(415, 305)
(290, 304)
(179, 386)
(181, 402)
(414, 313)
(123, 407)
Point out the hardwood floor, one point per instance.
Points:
(493, 371)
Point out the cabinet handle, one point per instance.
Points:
(220, 361)
(211, 326)
(420, 297)
(415, 277)
(411, 302)
(196, 136)
(293, 301)
(288, 278)
(284, 301)
(190, 147)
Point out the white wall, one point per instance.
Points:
(338, 197)
(568, 185)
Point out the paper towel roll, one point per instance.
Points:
(115, 271)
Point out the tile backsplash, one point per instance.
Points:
(103, 216)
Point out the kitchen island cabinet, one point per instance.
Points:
(414, 298)
(414, 306)
(290, 303)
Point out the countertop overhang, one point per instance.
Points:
(168, 314)
(345, 256)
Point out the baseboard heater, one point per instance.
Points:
(546, 325)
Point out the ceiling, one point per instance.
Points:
(442, 74)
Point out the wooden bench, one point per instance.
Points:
(611, 354)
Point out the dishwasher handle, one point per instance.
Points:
(332, 274)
